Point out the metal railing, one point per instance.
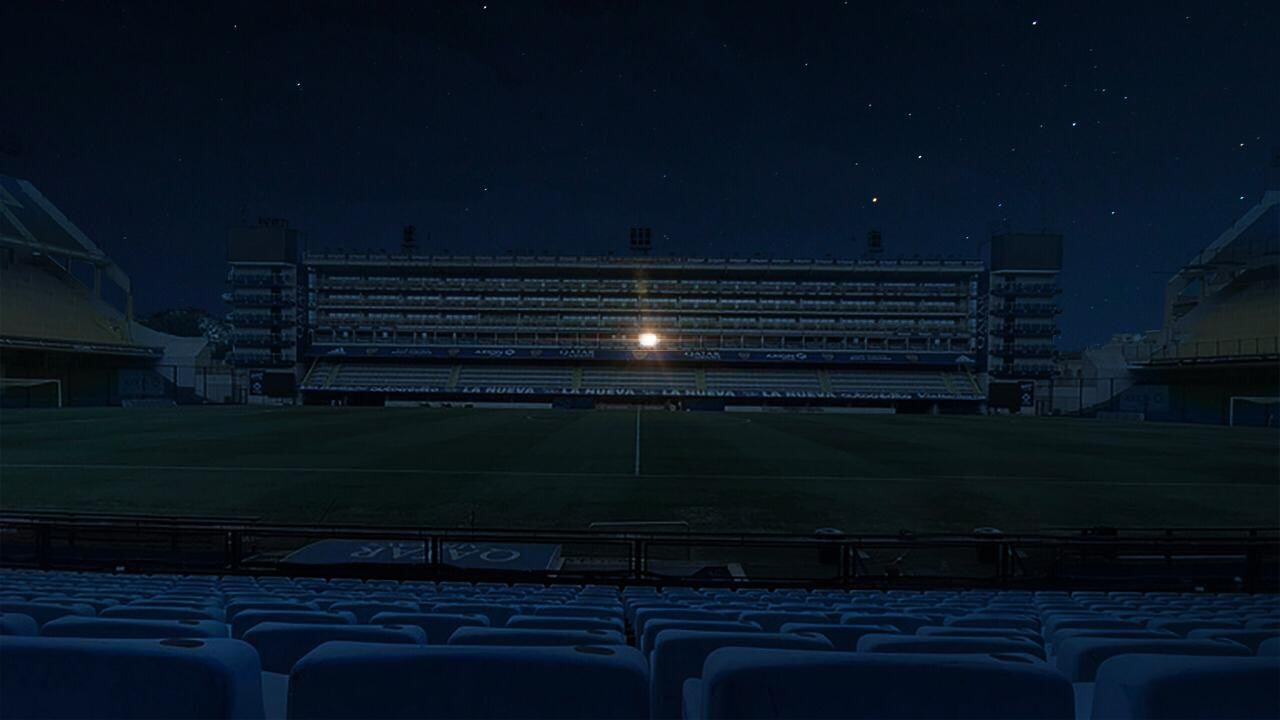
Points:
(1216, 558)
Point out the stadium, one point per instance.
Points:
(715, 451)
(636, 470)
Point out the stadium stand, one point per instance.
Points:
(656, 652)
(66, 310)
(901, 334)
(1216, 358)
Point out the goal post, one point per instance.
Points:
(1254, 411)
(30, 393)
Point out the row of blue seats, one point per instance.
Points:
(1072, 636)
(725, 676)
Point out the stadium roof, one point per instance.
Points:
(28, 219)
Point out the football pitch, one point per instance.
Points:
(565, 469)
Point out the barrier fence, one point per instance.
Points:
(1159, 558)
(1145, 398)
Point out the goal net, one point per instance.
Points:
(1254, 411)
(30, 393)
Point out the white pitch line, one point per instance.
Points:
(538, 473)
(636, 472)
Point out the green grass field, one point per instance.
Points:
(565, 469)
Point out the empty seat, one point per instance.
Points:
(1249, 638)
(1182, 626)
(841, 637)
(943, 644)
(98, 627)
(585, 611)
(238, 606)
(756, 683)
(364, 611)
(1155, 687)
(542, 622)
(653, 627)
(497, 614)
(247, 619)
(678, 655)
(972, 632)
(174, 678)
(1015, 622)
(163, 612)
(1079, 657)
(281, 644)
(905, 623)
(438, 626)
(42, 613)
(644, 615)
(1063, 635)
(770, 620)
(17, 624)
(523, 637)
(359, 680)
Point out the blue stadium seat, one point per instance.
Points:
(841, 637)
(357, 680)
(1079, 657)
(163, 612)
(438, 626)
(585, 611)
(678, 656)
(1269, 648)
(364, 611)
(544, 622)
(248, 618)
(236, 607)
(972, 632)
(1160, 687)
(949, 645)
(17, 624)
(644, 615)
(281, 644)
(174, 678)
(991, 620)
(1064, 635)
(756, 683)
(42, 613)
(1249, 638)
(651, 629)
(100, 627)
(770, 620)
(1182, 626)
(497, 614)
(905, 623)
(98, 604)
(522, 637)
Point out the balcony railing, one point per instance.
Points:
(259, 300)
(260, 280)
(1041, 330)
(1207, 350)
(1026, 290)
(1024, 351)
(1043, 310)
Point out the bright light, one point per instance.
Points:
(648, 340)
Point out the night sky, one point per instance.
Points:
(1139, 130)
